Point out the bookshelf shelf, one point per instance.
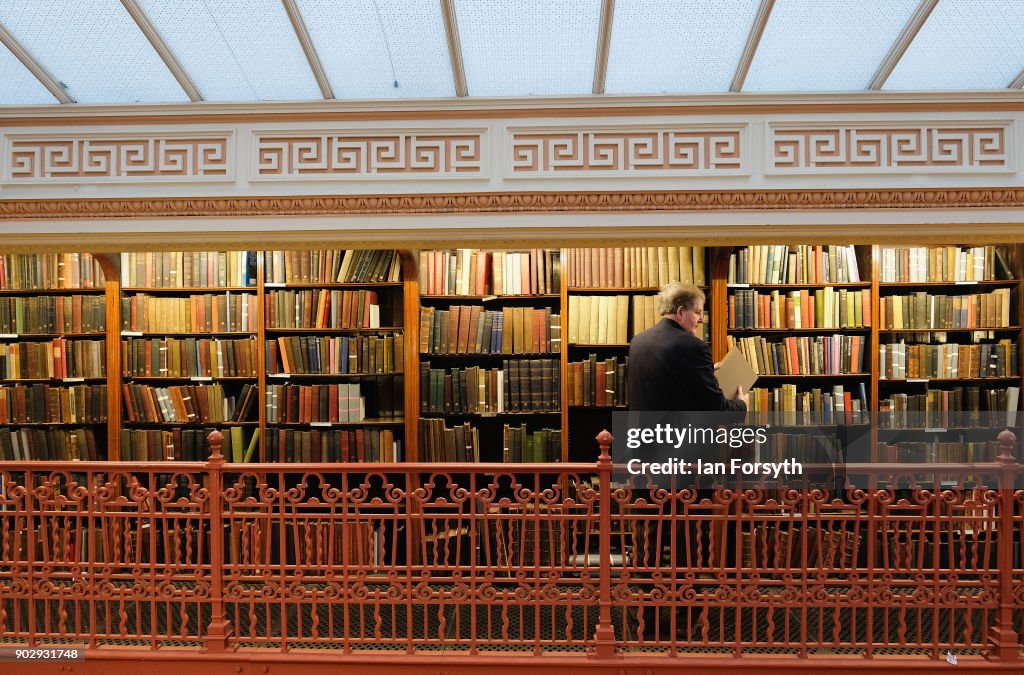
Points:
(186, 425)
(598, 407)
(427, 357)
(52, 291)
(808, 285)
(755, 331)
(198, 290)
(623, 289)
(198, 379)
(950, 330)
(49, 336)
(188, 334)
(52, 424)
(582, 345)
(275, 378)
(926, 380)
(824, 375)
(522, 413)
(963, 285)
(270, 286)
(491, 298)
(57, 380)
(311, 426)
(340, 331)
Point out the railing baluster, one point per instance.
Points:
(1003, 643)
(220, 628)
(604, 635)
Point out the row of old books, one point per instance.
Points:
(465, 329)
(439, 443)
(537, 446)
(52, 314)
(49, 444)
(821, 308)
(960, 451)
(332, 267)
(188, 269)
(31, 271)
(531, 385)
(187, 404)
(347, 355)
(474, 272)
(322, 309)
(927, 310)
(787, 405)
(898, 360)
(56, 359)
(185, 445)
(645, 315)
(597, 382)
(804, 448)
(378, 398)
(210, 313)
(635, 267)
(334, 445)
(956, 407)
(43, 404)
(772, 548)
(599, 319)
(188, 357)
(924, 264)
(802, 264)
(817, 355)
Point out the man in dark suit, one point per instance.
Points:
(670, 369)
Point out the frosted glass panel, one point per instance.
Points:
(826, 45)
(366, 46)
(236, 50)
(666, 46)
(17, 85)
(93, 47)
(528, 47)
(964, 44)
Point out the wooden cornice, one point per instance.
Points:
(516, 202)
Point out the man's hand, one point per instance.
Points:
(718, 364)
(743, 396)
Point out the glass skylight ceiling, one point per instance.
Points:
(18, 84)
(366, 46)
(668, 46)
(528, 47)
(94, 48)
(825, 45)
(252, 50)
(235, 50)
(965, 44)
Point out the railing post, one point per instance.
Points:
(220, 628)
(1004, 644)
(605, 646)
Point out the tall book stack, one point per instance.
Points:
(334, 351)
(189, 354)
(802, 316)
(490, 344)
(949, 371)
(612, 297)
(53, 392)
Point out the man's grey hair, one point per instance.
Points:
(676, 295)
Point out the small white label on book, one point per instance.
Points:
(131, 333)
(202, 379)
(738, 285)
(486, 298)
(74, 379)
(917, 379)
(274, 284)
(319, 424)
(8, 336)
(967, 283)
(280, 375)
(935, 430)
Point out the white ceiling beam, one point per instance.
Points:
(604, 40)
(163, 49)
(295, 16)
(764, 10)
(451, 29)
(899, 48)
(1018, 81)
(42, 74)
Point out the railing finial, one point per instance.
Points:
(1007, 442)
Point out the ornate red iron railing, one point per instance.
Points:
(536, 559)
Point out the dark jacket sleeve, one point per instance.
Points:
(706, 390)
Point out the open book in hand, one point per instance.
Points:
(733, 372)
